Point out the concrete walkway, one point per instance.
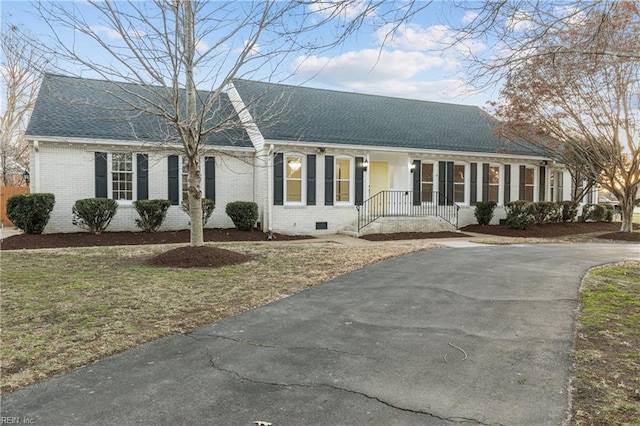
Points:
(477, 335)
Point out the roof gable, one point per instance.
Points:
(69, 107)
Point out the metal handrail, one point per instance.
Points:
(407, 203)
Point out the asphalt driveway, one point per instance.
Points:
(477, 335)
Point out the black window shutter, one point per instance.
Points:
(278, 179)
(311, 180)
(174, 173)
(449, 182)
(485, 182)
(523, 171)
(417, 182)
(101, 174)
(543, 179)
(473, 194)
(328, 180)
(210, 178)
(359, 181)
(442, 182)
(142, 176)
(507, 183)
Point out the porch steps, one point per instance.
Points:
(393, 224)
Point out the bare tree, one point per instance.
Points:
(583, 109)
(20, 69)
(182, 55)
(518, 30)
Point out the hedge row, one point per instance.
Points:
(521, 213)
(31, 212)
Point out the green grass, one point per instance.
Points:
(607, 358)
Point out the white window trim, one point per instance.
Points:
(501, 177)
(467, 183)
(352, 179)
(303, 180)
(180, 166)
(134, 178)
(536, 191)
(434, 181)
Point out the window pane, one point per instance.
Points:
(493, 193)
(494, 174)
(427, 172)
(458, 193)
(294, 167)
(427, 192)
(458, 173)
(343, 168)
(342, 190)
(528, 193)
(528, 176)
(294, 190)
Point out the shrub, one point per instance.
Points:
(518, 214)
(94, 214)
(207, 209)
(597, 213)
(544, 212)
(30, 212)
(569, 211)
(484, 211)
(244, 214)
(152, 213)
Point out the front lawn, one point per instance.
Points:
(64, 308)
(607, 348)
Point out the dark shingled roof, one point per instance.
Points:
(71, 107)
(326, 116)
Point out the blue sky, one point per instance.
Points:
(410, 64)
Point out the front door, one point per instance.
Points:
(378, 177)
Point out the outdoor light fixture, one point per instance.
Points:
(365, 165)
(412, 167)
(26, 176)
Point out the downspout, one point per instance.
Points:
(270, 191)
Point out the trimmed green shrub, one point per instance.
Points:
(244, 214)
(94, 214)
(544, 212)
(30, 212)
(484, 211)
(569, 211)
(518, 214)
(152, 213)
(207, 209)
(597, 213)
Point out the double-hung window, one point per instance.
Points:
(293, 178)
(426, 186)
(122, 176)
(343, 180)
(529, 183)
(494, 183)
(458, 183)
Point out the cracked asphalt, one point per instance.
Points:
(478, 335)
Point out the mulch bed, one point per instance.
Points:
(86, 239)
(551, 230)
(198, 257)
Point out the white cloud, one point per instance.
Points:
(434, 37)
(520, 21)
(115, 35)
(469, 17)
(348, 10)
(201, 46)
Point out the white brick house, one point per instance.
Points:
(328, 159)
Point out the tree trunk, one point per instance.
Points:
(192, 128)
(626, 213)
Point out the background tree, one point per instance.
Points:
(183, 54)
(20, 69)
(582, 108)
